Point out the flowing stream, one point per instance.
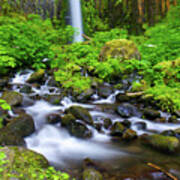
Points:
(67, 152)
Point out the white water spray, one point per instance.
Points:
(76, 19)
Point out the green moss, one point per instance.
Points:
(24, 164)
(164, 143)
(36, 76)
(121, 49)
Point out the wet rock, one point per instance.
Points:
(12, 98)
(162, 143)
(160, 120)
(122, 97)
(85, 96)
(23, 125)
(168, 133)
(98, 126)
(127, 110)
(8, 138)
(177, 133)
(151, 114)
(107, 123)
(54, 99)
(36, 76)
(75, 128)
(117, 129)
(67, 120)
(79, 130)
(27, 102)
(104, 90)
(141, 125)
(92, 174)
(126, 123)
(52, 82)
(173, 119)
(3, 82)
(81, 114)
(177, 113)
(122, 49)
(129, 134)
(20, 160)
(26, 89)
(53, 118)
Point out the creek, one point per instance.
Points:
(115, 158)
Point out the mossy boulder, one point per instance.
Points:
(104, 90)
(151, 113)
(8, 138)
(81, 114)
(129, 134)
(23, 125)
(85, 96)
(92, 174)
(74, 127)
(107, 122)
(36, 76)
(127, 110)
(18, 160)
(12, 98)
(167, 144)
(67, 120)
(122, 49)
(117, 129)
(79, 130)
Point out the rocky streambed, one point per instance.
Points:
(103, 133)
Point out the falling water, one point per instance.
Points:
(76, 19)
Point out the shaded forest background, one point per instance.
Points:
(98, 14)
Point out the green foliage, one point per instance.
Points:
(27, 41)
(4, 106)
(75, 60)
(32, 172)
(162, 42)
(91, 17)
(167, 98)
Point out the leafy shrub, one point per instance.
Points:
(4, 106)
(75, 60)
(27, 41)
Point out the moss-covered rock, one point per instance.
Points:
(23, 125)
(129, 134)
(162, 143)
(107, 122)
(19, 160)
(151, 114)
(104, 90)
(12, 98)
(127, 110)
(117, 129)
(67, 120)
(122, 49)
(16, 129)
(8, 138)
(36, 76)
(92, 174)
(81, 114)
(74, 127)
(79, 130)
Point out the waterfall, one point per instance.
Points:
(76, 19)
